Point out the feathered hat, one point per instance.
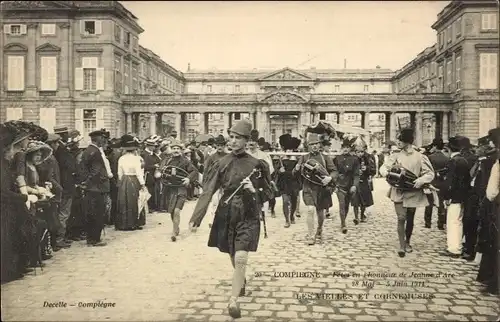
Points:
(34, 146)
(284, 139)
(129, 142)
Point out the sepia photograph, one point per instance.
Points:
(250, 160)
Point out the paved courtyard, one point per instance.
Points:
(142, 275)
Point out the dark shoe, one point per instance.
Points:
(363, 219)
(427, 226)
(344, 230)
(401, 253)
(46, 256)
(273, 214)
(97, 244)
(355, 221)
(292, 221)
(138, 228)
(287, 225)
(327, 215)
(441, 227)
(234, 310)
(311, 242)
(209, 225)
(297, 215)
(468, 257)
(173, 238)
(449, 254)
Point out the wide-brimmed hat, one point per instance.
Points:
(243, 128)
(152, 140)
(313, 138)
(176, 143)
(61, 129)
(220, 140)
(22, 130)
(101, 132)
(52, 137)
(129, 142)
(34, 146)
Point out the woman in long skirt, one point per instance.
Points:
(130, 182)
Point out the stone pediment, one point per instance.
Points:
(286, 74)
(48, 47)
(284, 97)
(15, 47)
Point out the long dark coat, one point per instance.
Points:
(236, 225)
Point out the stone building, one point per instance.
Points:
(79, 64)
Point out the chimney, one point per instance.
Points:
(378, 67)
(345, 63)
(189, 67)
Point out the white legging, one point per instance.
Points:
(239, 262)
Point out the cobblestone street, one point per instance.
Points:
(150, 278)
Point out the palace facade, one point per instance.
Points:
(79, 64)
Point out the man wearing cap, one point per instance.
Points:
(316, 198)
(439, 162)
(236, 226)
(455, 193)
(63, 132)
(52, 170)
(406, 202)
(346, 176)
(175, 191)
(96, 172)
(151, 163)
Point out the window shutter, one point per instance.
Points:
(14, 114)
(98, 27)
(82, 27)
(48, 118)
(100, 79)
(79, 120)
(24, 30)
(78, 79)
(100, 118)
(493, 21)
(44, 73)
(94, 62)
(484, 21)
(53, 73)
(6, 29)
(11, 76)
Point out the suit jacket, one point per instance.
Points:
(439, 162)
(457, 181)
(49, 172)
(93, 170)
(150, 162)
(67, 169)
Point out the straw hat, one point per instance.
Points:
(34, 146)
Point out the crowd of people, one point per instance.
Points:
(55, 192)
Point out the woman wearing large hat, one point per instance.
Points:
(130, 182)
(236, 226)
(13, 208)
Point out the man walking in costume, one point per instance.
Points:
(317, 198)
(406, 201)
(363, 197)
(175, 187)
(236, 226)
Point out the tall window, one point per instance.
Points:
(237, 89)
(15, 73)
(209, 88)
(488, 72)
(458, 27)
(135, 82)
(448, 75)
(118, 74)
(489, 21)
(458, 67)
(440, 39)
(89, 120)
(366, 88)
(190, 135)
(127, 39)
(126, 76)
(440, 79)
(48, 73)
(337, 88)
(89, 79)
(449, 30)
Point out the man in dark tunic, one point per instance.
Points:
(439, 161)
(96, 173)
(175, 189)
(151, 163)
(236, 226)
(363, 197)
(317, 198)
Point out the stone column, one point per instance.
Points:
(394, 126)
(259, 119)
(178, 121)
(365, 116)
(445, 126)
(418, 129)
(306, 121)
(340, 117)
(128, 124)
(387, 118)
(313, 118)
(202, 125)
(227, 121)
(152, 123)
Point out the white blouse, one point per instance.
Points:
(493, 188)
(130, 165)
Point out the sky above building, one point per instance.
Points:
(273, 35)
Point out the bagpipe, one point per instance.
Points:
(401, 178)
(172, 176)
